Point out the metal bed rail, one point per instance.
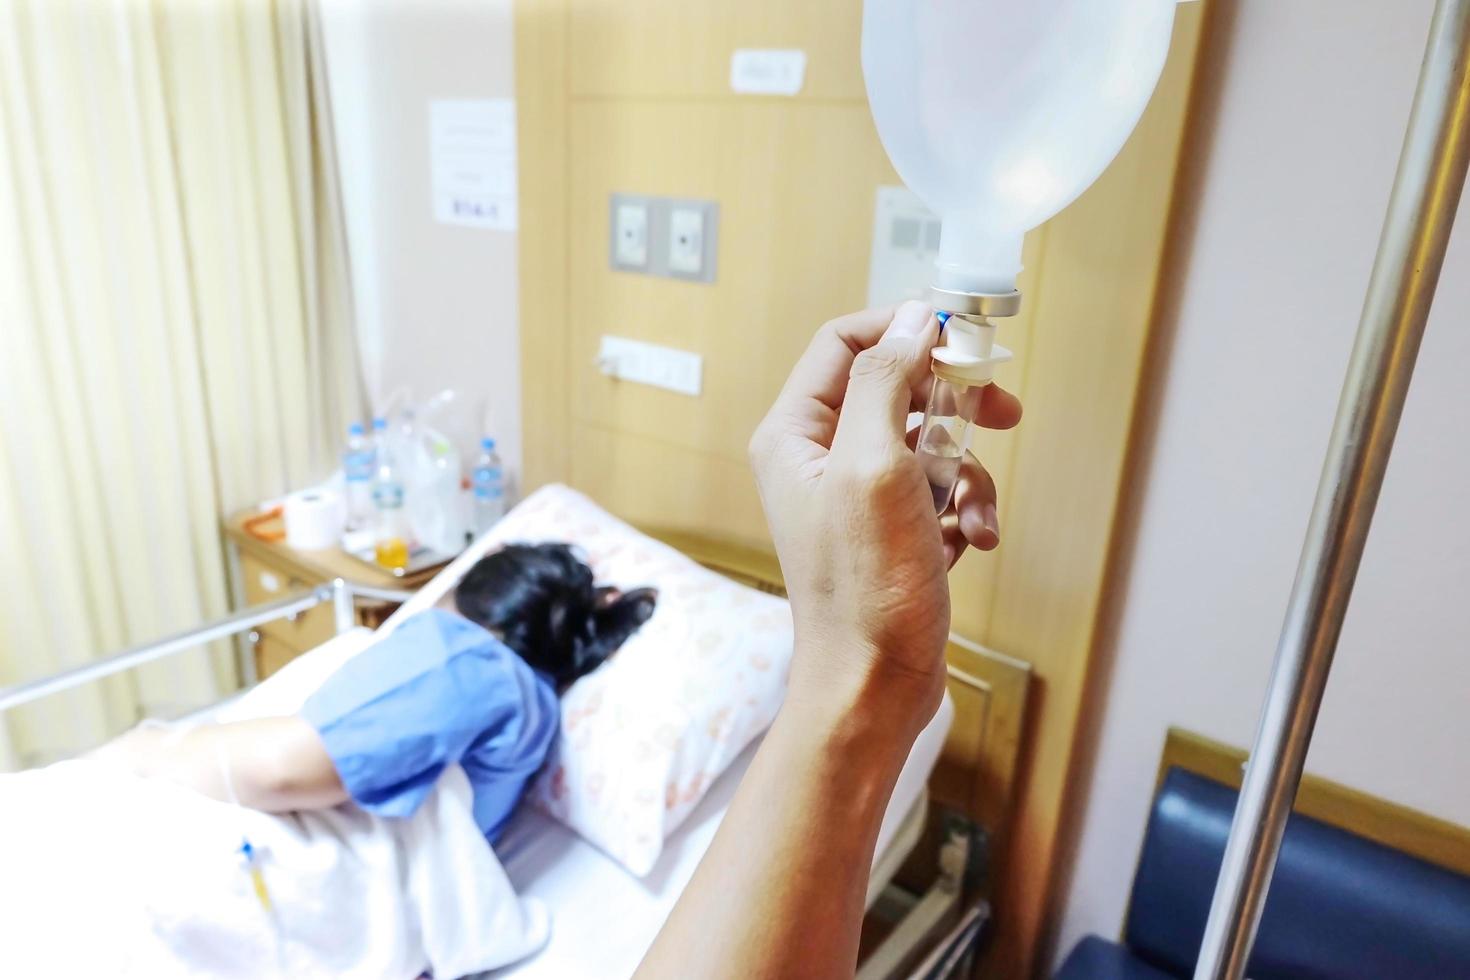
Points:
(342, 594)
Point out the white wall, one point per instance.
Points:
(1311, 114)
(437, 304)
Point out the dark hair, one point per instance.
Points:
(541, 600)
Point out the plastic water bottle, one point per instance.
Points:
(390, 548)
(379, 439)
(358, 465)
(448, 512)
(489, 487)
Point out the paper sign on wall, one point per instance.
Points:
(472, 161)
(767, 71)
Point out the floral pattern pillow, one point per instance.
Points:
(644, 736)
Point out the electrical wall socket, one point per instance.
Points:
(686, 240)
(630, 234)
(661, 236)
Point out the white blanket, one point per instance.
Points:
(103, 873)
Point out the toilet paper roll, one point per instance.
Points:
(314, 519)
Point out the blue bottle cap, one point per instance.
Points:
(379, 423)
(487, 443)
(354, 429)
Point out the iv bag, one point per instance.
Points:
(998, 113)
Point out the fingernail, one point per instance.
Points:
(910, 319)
(991, 521)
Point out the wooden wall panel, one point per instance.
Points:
(541, 136)
(633, 96)
(972, 582)
(1094, 309)
(792, 252)
(658, 485)
(681, 48)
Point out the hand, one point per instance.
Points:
(780, 890)
(864, 556)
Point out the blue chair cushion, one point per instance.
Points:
(1094, 958)
(1340, 906)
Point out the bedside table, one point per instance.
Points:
(268, 570)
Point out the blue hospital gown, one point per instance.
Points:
(437, 691)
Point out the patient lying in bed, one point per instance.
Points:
(477, 687)
(433, 731)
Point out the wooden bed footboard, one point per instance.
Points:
(976, 772)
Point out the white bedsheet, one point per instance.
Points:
(603, 918)
(106, 874)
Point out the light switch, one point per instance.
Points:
(630, 235)
(651, 364)
(686, 240)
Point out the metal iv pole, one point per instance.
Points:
(1416, 230)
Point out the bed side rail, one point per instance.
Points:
(342, 594)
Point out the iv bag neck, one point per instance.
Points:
(976, 259)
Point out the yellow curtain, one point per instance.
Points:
(175, 331)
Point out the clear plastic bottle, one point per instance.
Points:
(449, 524)
(391, 544)
(379, 438)
(488, 484)
(359, 462)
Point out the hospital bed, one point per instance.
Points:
(926, 897)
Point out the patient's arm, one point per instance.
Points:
(273, 764)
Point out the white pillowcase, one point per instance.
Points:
(645, 735)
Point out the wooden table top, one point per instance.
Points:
(316, 566)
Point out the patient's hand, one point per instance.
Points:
(864, 556)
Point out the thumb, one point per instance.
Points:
(882, 381)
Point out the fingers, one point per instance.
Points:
(882, 381)
(974, 505)
(813, 394)
(954, 541)
(999, 409)
(971, 517)
(822, 371)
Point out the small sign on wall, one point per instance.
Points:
(767, 71)
(472, 162)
